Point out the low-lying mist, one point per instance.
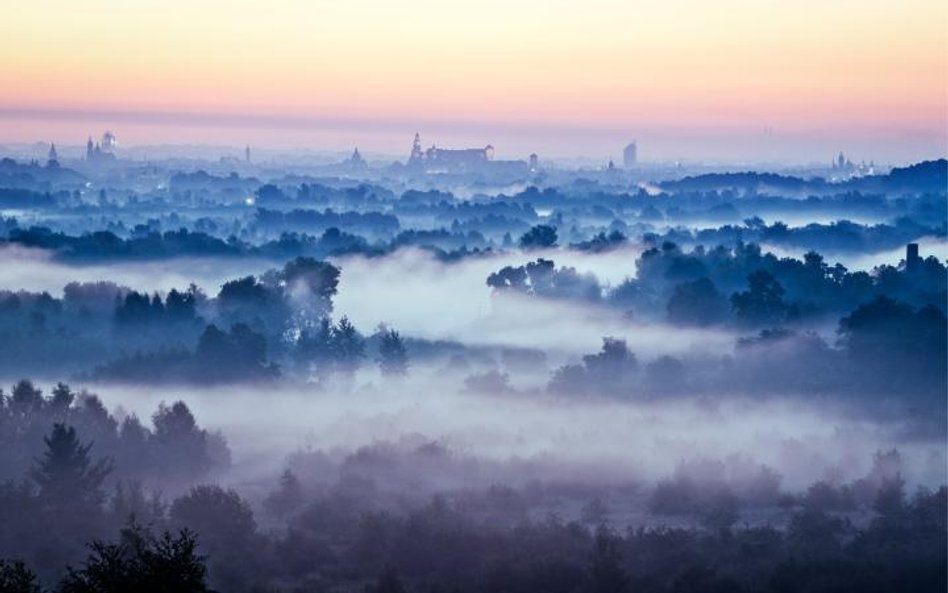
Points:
(526, 437)
(423, 297)
(36, 270)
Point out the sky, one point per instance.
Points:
(690, 79)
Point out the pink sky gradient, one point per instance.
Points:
(727, 80)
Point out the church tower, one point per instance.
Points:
(416, 153)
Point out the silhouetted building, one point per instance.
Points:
(448, 160)
(247, 154)
(355, 162)
(843, 164)
(630, 156)
(103, 150)
(534, 163)
(843, 167)
(912, 259)
(417, 154)
(108, 142)
(52, 160)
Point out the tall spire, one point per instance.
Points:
(52, 159)
(416, 153)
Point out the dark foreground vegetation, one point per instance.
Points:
(78, 518)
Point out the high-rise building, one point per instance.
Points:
(630, 156)
(247, 153)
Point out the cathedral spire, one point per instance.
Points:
(416, 152)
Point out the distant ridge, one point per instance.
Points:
(926, 176)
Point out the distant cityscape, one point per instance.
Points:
(437, 160)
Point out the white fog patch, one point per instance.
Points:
(423, 297)
(936, 246)
(607, 440)
(35, 270)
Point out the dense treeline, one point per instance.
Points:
(822, 329)
(245, 333)
(888, 335)
(172, 449)
(743, 285)
(200, 214)
(357, 532)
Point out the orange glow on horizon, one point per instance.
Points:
(730, 64)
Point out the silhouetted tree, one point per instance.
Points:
(762, 303)
(393, 357)
(696, 303)
(238, 354)
(181, 446)
(896, 347)
(287, 498)
(227, 530)
(310, 284)
(15, 577)
(66, 475)
(141, 563)
(347, 345)
(539, 237)
(606, 572)
(611, 369)
(219, 516)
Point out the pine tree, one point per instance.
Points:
(393, 356)
(15, 577)
(66, 475)
(348, 346)
(141, 563)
